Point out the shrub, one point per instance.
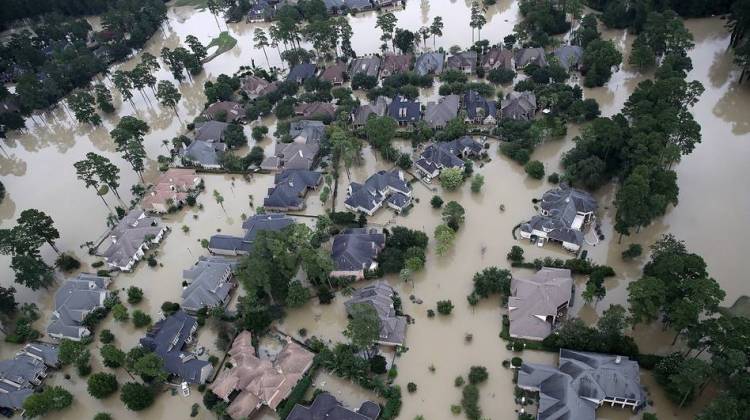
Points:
(553, 178)
(633, 251)
(411, 387)
(501, 76)
(392, 372)
(451, 178)
(534, 169)
(102, 416)
(169, 308)
(516, 362)
(67, 263)
(102, 385)
(477, 375)
(136, 396)
(459, 381)
(455, 409)
(404, 161)
(106, 336)
(430, 313)
(135, 295)
(470, 402)
(378, 365)
(515, 254)
(141, 319)
(476, 183)
(98, 264)
(445, 307)
(436, 202)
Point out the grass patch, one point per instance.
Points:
(198, 4)
(223, 43)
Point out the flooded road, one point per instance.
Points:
(36, 167)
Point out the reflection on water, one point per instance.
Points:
(37, 169)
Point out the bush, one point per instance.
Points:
(445, 307)
(436, 202)
(378, 365)
(404, 161)
(102, 416)
(67, 263)
(106, 336)
(451, 178)
(459, 381)
(515, 254)
(136, 396)
(633, 251)
(516, 362)
(169, 308)
(501, 76)
(102, 385)
(476, 183)
(470, 402)
(477, 375)
(135, 295)
(141, 319)
(430, 313)
(455, 409)
(392, 372)
(411, 387)
(553, 178)
(535, 169)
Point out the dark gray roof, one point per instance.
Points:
(439, 113)
(442, 155)
(290, 189)
(565, 202)
(363, 112)
(75, 299)
(462, 60)
(376, 189)
(128, 235)
(367, 65)
(327, 407)
(210, 131)
(555, 228)
(519, 106)
(168, 339)
(312, 131)
(534, 299)
(429, 63)
(253, 225)
(478, 107)
(302, 151)
(209, 283)
(380, 295)
(569, 55)
(582, 381)
(301, 72)
(498, 57)
(404, 110)
(204, 153)
(526, 56)
(356, 249)
(20, 375)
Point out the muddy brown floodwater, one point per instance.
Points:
(36, 167)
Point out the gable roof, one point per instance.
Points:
(334, 73)
(535, 298)
(442, 155)
(326, 406)
(301, 72)
(376, 189)
(498, 57)
(395, 63)
(429, 63)
(379, 295)
(402, 109)
(356, 249)
(569, 55)
(75, 299)
(128, 235)
(209, 283)
(210, 131)
(167, 338)
(437, 114)
(526, 56)
(519, 105)
(462, 60)
(290, 187)
(367, 65)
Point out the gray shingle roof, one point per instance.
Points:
(210, 131)
(478, 107)
(131, 232)
(442, 155)
(581, 382)
(204, 153)
(20, 375)
(376, 189)
(302, 151)
(327, 407)
(569, 55)
(301, 72)
(168, 338)
(462, 61)
(429, 63)
(253, 225)
(519, 106)
(367, 65)
(526, 56)
(439, 113)
(536, 297)
(363, 112)
(404, 111)
(290, 189)
(356, 249)
(395, 63)
(565, 202)
(75, 299)
(379, 295)
(209, 283)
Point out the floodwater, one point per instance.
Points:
(36, 167)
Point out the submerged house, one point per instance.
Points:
(210, 131)
(519, 106)
(355, 251)
(429, 63)
(74, 301)
(437, 114)
(171, 190)
(315, 110)
(169, 339)
(326, 406)
(335, 73)
(25, 372)
(444, 155)
(290, 188)
(526, 56)
(497, 58)
(479, 110)
(406, 112)
(209, 282)
(363, 112)
(253, 382)
(387, 187)
(130, 239)
(537, 303)
(261, 10)
(379, 296)
(395, 64)
(582, 383)
(226, 111)
(301, 72)
(255, 87)
(369, 65)
(204, 154)
(235, 245)
(302, 152)
(465, 62)
(569, 56)
(564, 213)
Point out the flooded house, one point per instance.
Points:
(210, 131)
(301, 72)
(335, 74)
(252, 382)
(326, 406)
(564, 213)
(437, 114)
(290, 189)
(383, 187)
(465, 62)
(131, 237)
(301, 152)
(235, 245)
(526, 56)
(395, 64)
(479, 110)
(406, 112)
(226, 111)
(24, 373)
(315, 110)
(429, 63)
(380, 296)
(538, 303)
(74, 301)
(519, 106)
(261, 11)
(369, 65)
(582, 383)
(378, 108)
(497, 58)
(207, 147)
(443, 155)
(209, 283)
(570, 57)
(171, 189)
(169, 339)
(355, 251)
(255, 87)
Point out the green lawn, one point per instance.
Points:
(223, 43)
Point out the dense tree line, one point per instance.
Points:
(739, 24)
(619, 14)
(13, 10)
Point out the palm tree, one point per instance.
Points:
(436, 29)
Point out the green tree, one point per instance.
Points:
(453, 215)
(112, 357)
(298, 295)
(120, 313)
(478, 374)
(436, 29)
(451, 178)
(260, 41)
(35, 227)
(135, 295)
(535, 169)
(141, 319)
(492, 280)
(123, 85)
(31, 271)
(363, 328)
(102, 385)
(136, 397)
(380, 131)
(168, 95)
(436, 202)
(445, 307)
(598, 58)
(387, 24)
(200, 52)
(476, 183)
(444, 236)
(477, 20)
(53, 398)
(404, 40)
(82, 103)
